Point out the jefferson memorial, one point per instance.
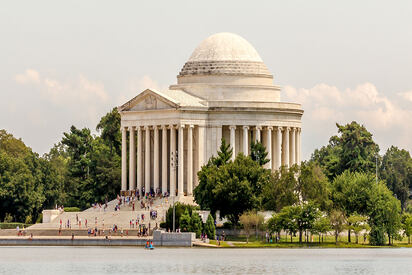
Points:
(224, 91)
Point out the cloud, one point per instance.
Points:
(28, 76)
(136, 85)
(387, 118)
(59, 92)
(52, 104)
(406, 95)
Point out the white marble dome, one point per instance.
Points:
(225, 46)
(225, 54)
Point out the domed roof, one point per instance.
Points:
(225, 54)
(225, 47)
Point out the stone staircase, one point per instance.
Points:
(107, 218)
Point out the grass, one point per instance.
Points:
(222, 244)
(328, 242)
(13, 225)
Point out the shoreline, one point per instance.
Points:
(130, 241)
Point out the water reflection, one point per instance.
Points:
(127, 260)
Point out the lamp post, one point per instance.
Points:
(175, 163)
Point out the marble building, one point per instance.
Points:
(224, 91)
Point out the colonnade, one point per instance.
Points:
(166, 158)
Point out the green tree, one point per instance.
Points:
(313, 185)
(180, 208)
(248, 221)
(231, 188)
(288, 215)
(407, 226)
(258, 153)
(352, 149)
(184, 221)
(306, 215)
(396, 170)
(351, 192)
(337, 221)
(280, 189)
(196, 224)
(224, 154)
(328, 157)
(321, 226)
(209, 227)
(109, 126)
(384, 215)
(357, 223)
(22, 180)
(275, 224)
(79, 146)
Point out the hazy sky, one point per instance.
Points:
(70, 62)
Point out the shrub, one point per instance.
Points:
(209, 228)
(13, 225)
(72, 209)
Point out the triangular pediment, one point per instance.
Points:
(149, 99)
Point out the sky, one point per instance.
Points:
(66, 63)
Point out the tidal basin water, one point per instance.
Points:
(126, 260)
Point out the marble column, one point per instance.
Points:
(257, 133)
(180, 161)
(173, 161)
(286, 147)
(298, 146)
(147, 161)
(293, 147)
(139, 159)
(156, 159)
(279, 148)
(245, 140)
(269, 147)
(233, 141)
(190, 160)
(124, 159)
(201, 145)
(132, 159)
(164, 159)
(218, 137)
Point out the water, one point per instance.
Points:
(126, 260)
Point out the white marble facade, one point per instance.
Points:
(223, 91)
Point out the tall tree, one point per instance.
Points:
(352, 149)
(258, 153)
(109, 126)
(396, 170)
(313, 185)
(280, 190)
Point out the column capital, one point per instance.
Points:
(147, 127)
(245, 127)
(181, 126)
(280, 128)
(258, 127)
(123, 128)
(232, 127)
(164, 127)
(287, 128)
(269, 128)
(172, 126)
(191, 126)
(130, 128)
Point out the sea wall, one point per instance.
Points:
(163, 238)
